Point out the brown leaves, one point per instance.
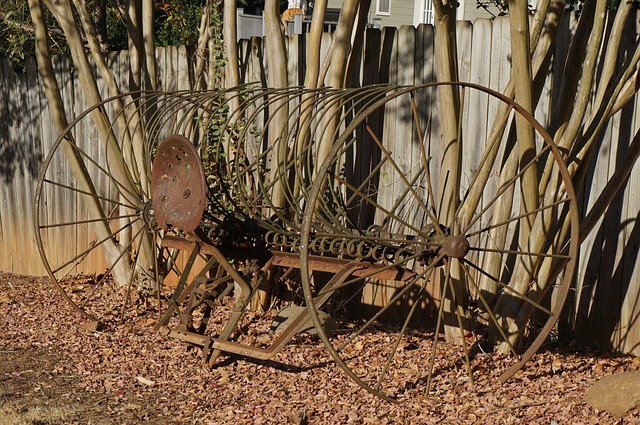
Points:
(130, 373)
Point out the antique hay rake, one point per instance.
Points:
(341, 191)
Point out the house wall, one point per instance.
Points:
(404, 12)
(401, 12)
(468, 11)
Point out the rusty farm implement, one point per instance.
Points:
(340, 197)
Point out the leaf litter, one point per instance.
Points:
(55, 368)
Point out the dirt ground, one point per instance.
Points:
(56, 370)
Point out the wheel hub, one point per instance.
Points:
(455, 246)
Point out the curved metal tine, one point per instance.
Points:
(311, 107)
(397, 91)
(349, 140)
(315, 132)
(518, 217)
(147, 115)
(336, 102)
(336, 199)
(222, 148)
(281, 96)
(240, 193)
(343, 114)
(336, 211)
(373, 203)
(284, 147)
(132, 144)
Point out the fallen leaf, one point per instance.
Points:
(92, 325)
(145, 381)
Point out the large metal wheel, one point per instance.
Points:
(95, 226)
(492, 272)
(95, 242)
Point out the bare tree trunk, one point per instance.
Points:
(148, 44)
(204, 35)
(57, 110)
(519, 28)
(231, 73)
(135, 45)
(341, 48)
(277, 77)
(447, 70)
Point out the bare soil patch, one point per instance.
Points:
(53, 370)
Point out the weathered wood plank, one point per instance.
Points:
(7, 161)
(630, 276)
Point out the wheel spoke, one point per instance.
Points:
(488, 309)
(373, 203)
(393, 351)
(504, 188)
(509, 289)
(424, 274)
(92, 195)
(123, 251)
(524, 253)
(518, 217)
(88, 221)
(434, 346)
(408, 185)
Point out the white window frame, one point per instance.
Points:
(383, 12)
(423, 12)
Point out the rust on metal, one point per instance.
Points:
(333, 265)
(455, 246)
(178, 187)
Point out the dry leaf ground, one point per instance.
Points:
(53, 370)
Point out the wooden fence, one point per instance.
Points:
(605, 307)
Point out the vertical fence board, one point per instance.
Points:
(630, 309)
(8, 211)
(30, 167)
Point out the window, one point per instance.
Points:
(427, 12)
(383, 7)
